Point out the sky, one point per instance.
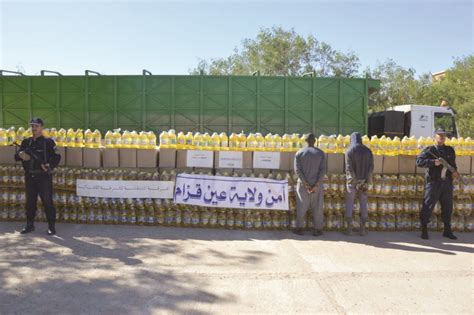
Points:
(124, 37)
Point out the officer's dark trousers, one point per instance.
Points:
(441, 191)
(41, 185)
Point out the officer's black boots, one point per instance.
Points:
(52, 230)
(424, 232)
(449, 233)
(27, 229)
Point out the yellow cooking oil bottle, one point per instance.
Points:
(71, 138)
(286, 143)
(109, 141)
(260, 142)
(181, 141)
(197, 140)
(135, 142)
(151, 140)
(143, 138)
(88, 138)
(206, 139)
(224, 141)
(172, 139)
(269, 142)
(215, 142)
(190, 140)
(233, 142)
(164, 140)
(3, 137)
(242, 141)
(277, 142)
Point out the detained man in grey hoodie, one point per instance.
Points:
(359, 168)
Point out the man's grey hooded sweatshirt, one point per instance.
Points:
(359, 160)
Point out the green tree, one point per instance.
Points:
(457, 87)
(276, 51)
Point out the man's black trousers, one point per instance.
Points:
(435, 191)
(42, 186)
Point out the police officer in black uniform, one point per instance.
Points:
(439, 183)
(39, 157)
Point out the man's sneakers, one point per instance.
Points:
(52, 230)
(449, 234)
(27, 229)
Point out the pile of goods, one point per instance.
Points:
(394, 203)
(237, 142)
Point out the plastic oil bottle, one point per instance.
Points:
(164, 140)
(198, 141)
(181, 141)
(286, 143)
(215, 142)
(88, 138)
(269, 142)
(277, 140)
(260, 142)
(224, 141)
(135, 143)
(71, 138)
(242, 141)
(109, 139)
(233, 142)
(3, 137)
(61, 138)
(144, 142)
(172, 139)
(151, 140)
(206, 139)
(190, 140)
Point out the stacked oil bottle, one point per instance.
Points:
(394, 200)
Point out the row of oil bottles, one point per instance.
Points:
(239, 142)
(78, 138)
(334, 184)
(384, 214)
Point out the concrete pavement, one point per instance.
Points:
(92, 269)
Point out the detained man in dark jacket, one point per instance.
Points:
(439, 183)
(310, 166)
(359, 168)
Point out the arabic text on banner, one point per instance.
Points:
(125, 188)
(231, 192)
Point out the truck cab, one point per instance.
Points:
(423, 120)
(413, 120)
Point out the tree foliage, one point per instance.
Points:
(276, 51)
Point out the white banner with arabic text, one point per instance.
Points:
(125, 188)
(231, 192)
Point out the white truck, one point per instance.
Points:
(413, 120)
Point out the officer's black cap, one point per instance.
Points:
(440, 131)
(37, 121)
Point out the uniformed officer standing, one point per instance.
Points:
(39, 157)
(310, 166)
(439, 183)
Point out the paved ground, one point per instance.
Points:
(93, 269)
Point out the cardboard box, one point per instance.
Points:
(92, 157)
(285, 161)
(110, 158)
(128, 158)
(472, 165)
(420, 170)
(147, 158)
(246, 160)
(74, 157)
(335, 163)
(7, 154)
(167, 158)
(390, 165)
(378, 164)
(194, 158)
(180, 158)
(62, 152)
(292, 161)
(407, 164)
(464, 164)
